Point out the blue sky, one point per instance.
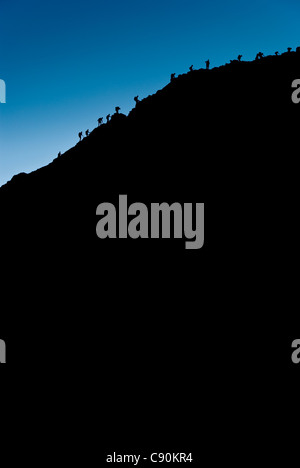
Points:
(66, 63)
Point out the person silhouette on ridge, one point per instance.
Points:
(172, 76)
(108, 118)
(80, 135)
(239, 57)
(191, 68)
(289, 49)
(117, 109)
(87, 132)
(100, 120)
(136, 98)
(207, 64)
(259, 56)
(276, 53)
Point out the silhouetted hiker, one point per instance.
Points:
(207, 64)
(136, 100)
(260, 55)
(276, 53)
(108, 118)
(239, 57)
(173, 76)
(191, 68)
(289, 49)
(87, 132)
(100, 120)
(59, 155)
(80, 135)
(117, 109)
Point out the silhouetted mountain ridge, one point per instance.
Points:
(206, 132)
(192, 99)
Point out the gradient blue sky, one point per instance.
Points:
(66, 63)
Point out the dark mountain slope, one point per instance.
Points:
(145, 311)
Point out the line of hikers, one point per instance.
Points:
(259, 56)
(100, 120)
(191, 69)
